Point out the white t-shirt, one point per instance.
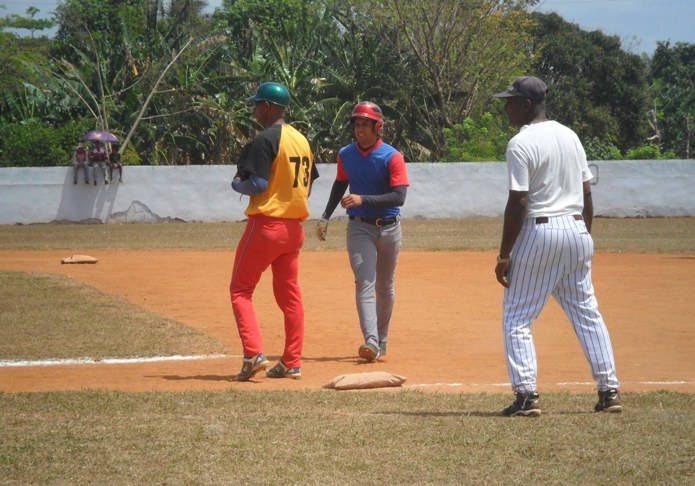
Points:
(547, 160)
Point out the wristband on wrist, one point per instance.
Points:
(502, 260)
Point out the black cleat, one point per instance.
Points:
(608, 401)
(525, 404)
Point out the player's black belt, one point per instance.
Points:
(378, 222)
(544, 219)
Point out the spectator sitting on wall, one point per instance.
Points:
(98, 158)
(80, 160)
(115, 163)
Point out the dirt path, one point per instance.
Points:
(445, 334)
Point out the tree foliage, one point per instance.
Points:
(29, 23)
(38, 144)
(672, 80)
(460, 53)
(595, 87)
(172, 81)
(484, 140)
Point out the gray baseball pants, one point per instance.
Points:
(373, 253)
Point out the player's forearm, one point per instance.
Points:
(395, 198)
(588, 211)
(337, 191)
(514, 214)
(253, 185)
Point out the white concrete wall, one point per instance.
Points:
(203, 193)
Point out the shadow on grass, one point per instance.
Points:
(492, 413)
(444, 414)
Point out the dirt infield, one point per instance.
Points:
(445, 335)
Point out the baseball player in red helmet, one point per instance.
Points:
(276, 170)
(546, 247)
(376, 175)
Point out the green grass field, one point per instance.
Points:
(662, 235)
(327, 437)
(308, 437)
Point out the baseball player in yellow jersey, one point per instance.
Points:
(276, 170)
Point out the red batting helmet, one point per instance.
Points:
(369, 111)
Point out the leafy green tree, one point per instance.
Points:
(133, 80)
(38, 144)
(172, 81)
(600, 149)
(17, 55)
(673, 88)
(303, 44)
(484, 140)
(357, 66)
(648, 152)
(462, 52)
(29, 23)
(595, 87)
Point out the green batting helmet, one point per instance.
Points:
(273, 93)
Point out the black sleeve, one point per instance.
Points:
(314, 176)
(240, 173)
(389, 200)
(314, 173)
(257, 157)
(337, 191)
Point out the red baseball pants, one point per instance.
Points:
(273, 242)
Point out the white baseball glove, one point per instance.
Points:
(322, 229)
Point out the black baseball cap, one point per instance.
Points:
(526, 87)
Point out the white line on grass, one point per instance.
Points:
(155, 359)
(79, 361)
(570, 383)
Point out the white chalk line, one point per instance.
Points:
(81, 361)
(157, 359)
(570, 383)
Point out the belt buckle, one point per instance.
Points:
(377, 222)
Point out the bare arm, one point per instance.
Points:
(514, 214)
(588, 212)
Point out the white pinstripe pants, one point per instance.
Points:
(553, 258)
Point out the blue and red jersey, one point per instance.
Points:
(372, 173)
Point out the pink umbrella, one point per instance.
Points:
(100, 136)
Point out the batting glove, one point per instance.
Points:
(322, 229)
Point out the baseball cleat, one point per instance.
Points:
(252, 366)
(382, 351)
(609, 401)
(525, 404)
(282, 371)
(368, 352)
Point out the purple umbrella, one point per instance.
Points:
(100, 136)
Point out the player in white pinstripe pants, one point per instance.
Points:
(546, 247)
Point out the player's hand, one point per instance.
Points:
(322, 229)
(351, 200)
(501, 273)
